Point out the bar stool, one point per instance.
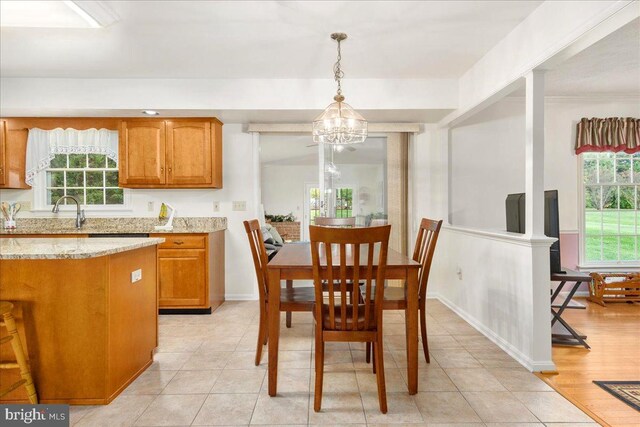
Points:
(21, 361)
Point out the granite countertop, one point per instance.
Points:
(71, 248)
(92, 225)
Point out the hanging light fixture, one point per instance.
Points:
(339, 123)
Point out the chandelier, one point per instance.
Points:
(339, 123)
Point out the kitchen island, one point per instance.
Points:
(86, 311)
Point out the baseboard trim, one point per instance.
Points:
(185, 311)
(520, 357)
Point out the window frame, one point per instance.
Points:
(583, 263)
(40, 198)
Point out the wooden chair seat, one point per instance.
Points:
(304, 296)
(394, 298)
(326, 320)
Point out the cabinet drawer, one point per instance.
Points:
(182, 241)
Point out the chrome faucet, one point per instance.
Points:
(79, 212)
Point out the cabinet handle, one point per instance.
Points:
(178, 242)
(161, 169)
(169, 169)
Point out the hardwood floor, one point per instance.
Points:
(613, 332)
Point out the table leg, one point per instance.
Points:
(411, 322)
(274, 327)
(288, 315)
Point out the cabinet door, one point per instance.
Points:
(182, 277)
(2, 153)
(189, 153)
(142, 155)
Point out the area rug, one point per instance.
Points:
(627, 391)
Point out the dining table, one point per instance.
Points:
(293, 263)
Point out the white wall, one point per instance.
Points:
(488, 157)
(238, 186)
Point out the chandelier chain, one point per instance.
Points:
(338, 74)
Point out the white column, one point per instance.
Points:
(540, 351)
(534, 154)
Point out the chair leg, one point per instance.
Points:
(373, 358)
(382, 389)
(288, 321)
(317, 401)
(423, 331)
(262, 339)
(367, 354)
(21, 358)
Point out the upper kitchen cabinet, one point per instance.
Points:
(176, 153)
(142, 153)
(13, 149)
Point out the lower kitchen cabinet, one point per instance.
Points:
(191, 272)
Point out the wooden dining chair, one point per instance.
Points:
(325, 221)
(395, 297)
(291, 299)
(336, 320)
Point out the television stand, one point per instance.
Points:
(561, 331)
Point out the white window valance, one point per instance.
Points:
(43, 145)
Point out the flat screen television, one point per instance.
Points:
(515, 210)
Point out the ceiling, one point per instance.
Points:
(611, 66)
(296, 150)
(266, 39)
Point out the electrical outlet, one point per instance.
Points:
(136, 276)
(150, 206)
(216, 206)
(239, 206)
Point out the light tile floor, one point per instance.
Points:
(204, 374)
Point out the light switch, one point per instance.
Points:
(136, 275)
(239, 206)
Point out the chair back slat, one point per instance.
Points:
(259, 253)
(342, 315)
(424, 249)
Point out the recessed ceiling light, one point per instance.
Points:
(150, 112)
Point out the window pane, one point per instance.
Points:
(77, 160)
(627, 197)
(590, 170)
(610, 221)
(55, 179)
(610, 248)
(592, 197)
(111, 179)
(53, 196)
(111, 164)
(623, 169)
(115, 196)
(95, 179)
(97, 160)
(627, 222)
(609, 197)
(78, 193)
(593, 222)
(606, 168)
(592, 245)
(628, 248)
(636, 168)
(75, 179)
(59, 161)
(95, 196)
